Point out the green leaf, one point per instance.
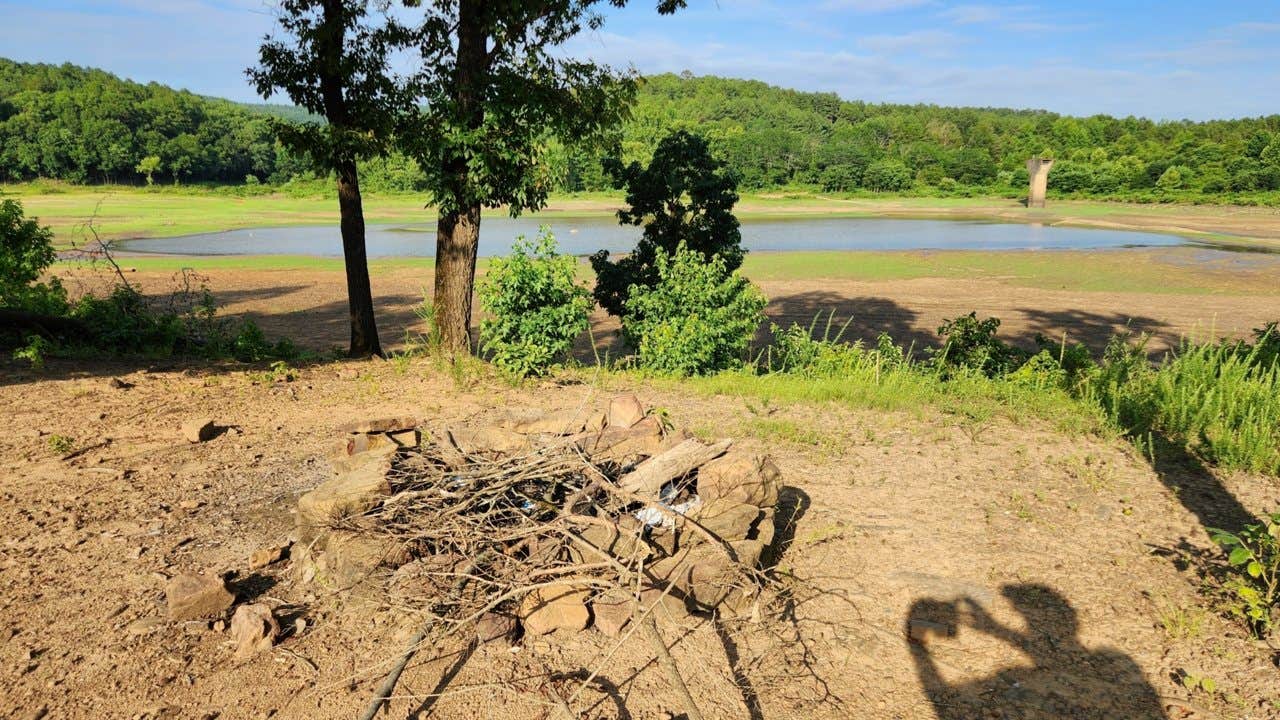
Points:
(1254, 569)
(1208, 684)
(1239, 556)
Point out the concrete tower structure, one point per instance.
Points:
(1038, 170)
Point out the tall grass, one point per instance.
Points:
(1220, 400)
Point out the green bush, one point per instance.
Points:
(887, 176)
(971, 344)
(1254, 556)
(26, 251)
(698, 318)
(538, 307)
(684, 196)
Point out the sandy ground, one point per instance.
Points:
(1071, 566)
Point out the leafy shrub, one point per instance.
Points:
(26, 251)
(683, 196)
(797, 351)
(887, 176)
(1221, 400)
(698, 318)
(971, 344)
(1254, 555)
(537, 306)
(33, 351)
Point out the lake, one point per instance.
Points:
(582, 236)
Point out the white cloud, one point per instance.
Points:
(930, 43)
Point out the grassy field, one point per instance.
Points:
(131, 212)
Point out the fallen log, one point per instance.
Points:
(649, 476)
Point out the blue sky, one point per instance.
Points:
(1170, 59)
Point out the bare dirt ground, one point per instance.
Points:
(309, 306)
(1071, 566)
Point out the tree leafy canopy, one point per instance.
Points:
(351, 85)
(481, 132)
(684, 195)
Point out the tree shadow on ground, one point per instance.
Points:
(1092, 329)
(1065, 680)
(831, 315)
(1197, 487)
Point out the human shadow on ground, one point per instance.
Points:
(1066, 679)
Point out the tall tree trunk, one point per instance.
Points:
(458, 230)
(457, 243)
(364, 330)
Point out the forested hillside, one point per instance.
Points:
(88, 126)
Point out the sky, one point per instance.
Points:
(1163, 59)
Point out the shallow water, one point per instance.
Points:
(581, 236)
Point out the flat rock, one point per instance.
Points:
(254, 629)
(489, 441)
(192, 597)
(354, 492)
(262, 557)
(199, 430)
(559, 607)
(492, 627)
(726, 519)
(611, 612)
(643, 439)
(569, 421)
(380, 425)
(357, 443)
(740, 476)
(625, 411)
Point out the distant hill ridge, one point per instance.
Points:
(87, 125)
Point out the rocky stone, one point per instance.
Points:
(666, 605)
(489, 441)
(116, 383)
(350, 558)
(766, 528)
(406, 438)
(611, 611)
(625, 411)
(354, 492)
(381, 453)
(192, 597)
(199, 430)
(363, 442)
(644, 439)
(493, 627)
(254, 629)
(569, 421)
(559, 607)
(726, 519)
(740, 476)
(262, 557)
(380, 425)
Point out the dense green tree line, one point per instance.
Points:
(771, 137)
(85, 125)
